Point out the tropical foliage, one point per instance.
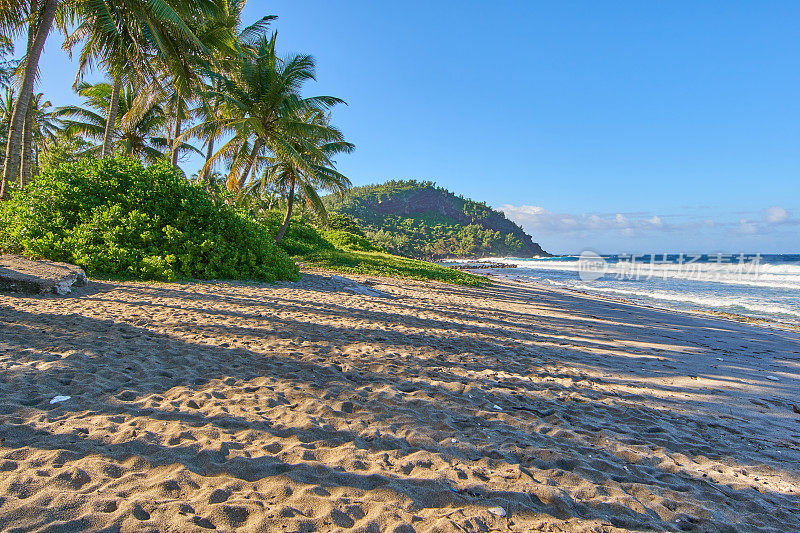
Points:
(42, 127)
(100, 184)
(118, 217)
(7, 65)
(342, 251)
(140, 137)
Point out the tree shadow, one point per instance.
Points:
(498, 389)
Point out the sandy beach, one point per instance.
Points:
(414, 407)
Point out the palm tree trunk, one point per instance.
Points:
(27, 147)
(288, 216)
(111, 120)
(169, 142)
(175, 142)
(256, 147)
(14, 145)
(209, 152)
(210, 146)
(27, 131)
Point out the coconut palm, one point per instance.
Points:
(41, 129)
(123, 36)
(223, 43)
(226, 59)
(312, 170)
(12, 12)
(260, 106)
(117, 34)
(141, 138)
(40, 15)
(7, 66)
(6, 110)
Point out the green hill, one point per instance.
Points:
(419, 219)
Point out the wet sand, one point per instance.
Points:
(431, 407)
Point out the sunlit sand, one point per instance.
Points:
(302, 407)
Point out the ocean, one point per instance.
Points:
(759, 286)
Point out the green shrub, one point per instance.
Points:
(116, 217)
(301, 238)
(338, 221)
(344, 240)
(350, 253)
(383, 264)
(63, 150)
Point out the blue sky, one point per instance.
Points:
(618, 126)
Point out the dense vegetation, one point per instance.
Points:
(418, 219)
(99, 184)
(347, 252)
(117, 217)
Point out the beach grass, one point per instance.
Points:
(344, 252)
(383, 264)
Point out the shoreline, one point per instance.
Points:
(744, 319)
(424, 405)
(761, 322)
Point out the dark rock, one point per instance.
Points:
(479, 265)
(18, 274)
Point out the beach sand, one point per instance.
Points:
(431, 407)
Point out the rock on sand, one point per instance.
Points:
(18, 274)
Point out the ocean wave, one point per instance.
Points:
(780, 276)
(716, 302)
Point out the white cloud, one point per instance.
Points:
(699, 230)
(539, 218)
(747, 227)
(776, 215)
(527, 209)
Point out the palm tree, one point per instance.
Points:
(312, 170)
(260, 105)
(12, 12)
(6, 110)
(221, 40)
(117, 33)
(40, 15)
(41, 129)
(226, 59)
(123, 36)
(140, 138)
(7, 66)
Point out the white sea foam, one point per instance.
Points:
(704, 301)
(773, 291)
(762, 275)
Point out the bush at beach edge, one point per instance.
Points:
(117, 217)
